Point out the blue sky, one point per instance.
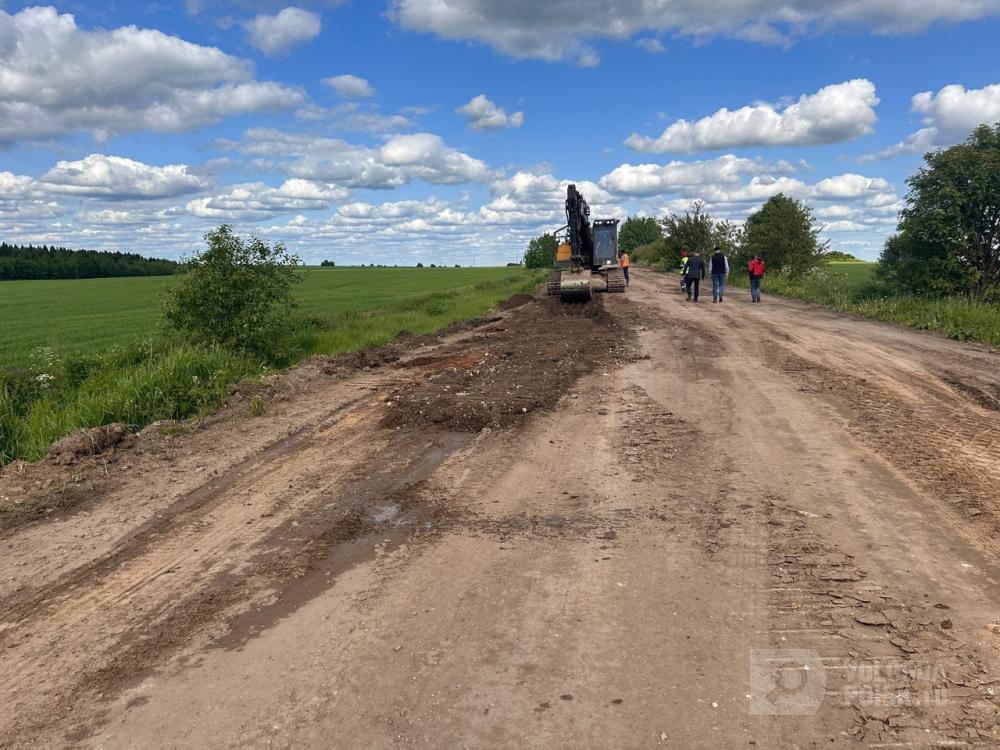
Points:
(399, 131)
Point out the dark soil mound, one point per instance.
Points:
(513, 368)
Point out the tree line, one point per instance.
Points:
(783, 230)
(947, 241)
(30, 262)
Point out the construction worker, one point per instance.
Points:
(755, 268)
(623, 262)
(684, 267)
(694, 274)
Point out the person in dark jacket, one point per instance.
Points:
(719, 268)
(694, 274)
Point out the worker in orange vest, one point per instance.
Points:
(623, 262)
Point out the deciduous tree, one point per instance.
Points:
(692, 231)
(636, 231)
(785, 234)
(949, 232)
(541, 252)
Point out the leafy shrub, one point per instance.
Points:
(651, 254)
(541, 252)
(235, 294)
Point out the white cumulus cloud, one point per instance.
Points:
(651, 44)
(350, 86)
(653, 179)
(256, 201)
(399, 161)
(115, 177)
(948, 116)
(278, 34)
(57, 79)
(355, 117)
(484, 114)
(525, 29)
(834, 114)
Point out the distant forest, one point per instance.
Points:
(45, 262)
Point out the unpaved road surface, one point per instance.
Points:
(638, 523)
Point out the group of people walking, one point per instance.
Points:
(694, 269)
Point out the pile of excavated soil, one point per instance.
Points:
(516, 301)
(513, 368)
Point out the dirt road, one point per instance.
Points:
(641, 523)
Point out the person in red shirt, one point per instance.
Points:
(756, 270)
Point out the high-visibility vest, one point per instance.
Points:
(624, 261)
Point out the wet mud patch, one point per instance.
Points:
(515, 367)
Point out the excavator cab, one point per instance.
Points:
(606, 242)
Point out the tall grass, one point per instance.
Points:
(52, 395)
(853, 287)
(136, 386)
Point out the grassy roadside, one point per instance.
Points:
(153, 378)
(853, 287)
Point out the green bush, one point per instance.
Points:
(651, 254)
(541, 252)
(235, 294)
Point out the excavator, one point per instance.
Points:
(586, 255)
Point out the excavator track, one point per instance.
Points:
(552, 289)
(616, 281)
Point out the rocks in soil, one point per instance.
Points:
(872, 618)
(90, 442)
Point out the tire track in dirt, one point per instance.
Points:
(885, 654)
(897, 671)
(949, 449)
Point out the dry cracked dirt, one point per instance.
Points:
(632, 523)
